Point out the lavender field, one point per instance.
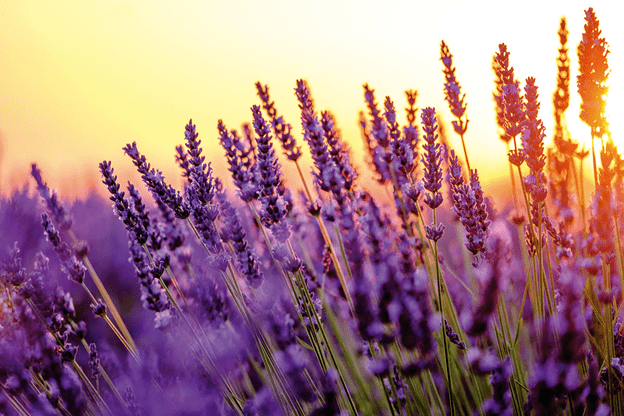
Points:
(419, 294)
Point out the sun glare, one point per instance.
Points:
(615, 109)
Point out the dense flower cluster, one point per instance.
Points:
(349, 299)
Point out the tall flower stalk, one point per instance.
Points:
(432, 182)
(454, 98)
(592, 80)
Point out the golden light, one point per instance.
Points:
(79, 80)
(615, 102)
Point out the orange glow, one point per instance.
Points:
(79, 80)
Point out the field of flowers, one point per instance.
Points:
(332, 300)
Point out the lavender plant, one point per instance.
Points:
(248, 301)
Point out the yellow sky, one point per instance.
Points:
(80, 79)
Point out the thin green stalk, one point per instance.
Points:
(445, 343)
(354, 369)
(513, 181)
(315, 317)
(91, 391)
(465, 152)
(107, 299)
(112, 326)
(329, 243)
(432, 392)
(107, 379)
(14, 402)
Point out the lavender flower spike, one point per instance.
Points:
(510, 101)
(452, 91)
(593, 74)
(269, 179)
(155, 182)
(379, 133)
(327, 174)
(280, 127)
(233, 231)
(70, 264)
(121, 205)
(201, 192)
(469, 206)
(402, 158)
(432, 159)
(55, 207)
(242, 175)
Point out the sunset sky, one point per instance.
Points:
(80, 79)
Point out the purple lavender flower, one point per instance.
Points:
(379, 240)
(593, 74)
(70, 264)
(269, 179)
(453, 337)
(379, 135)
(55, 207)
(11, 270)
(175, 235)
(402, 161)
(234, 233)
(153, 296)
(593, 393)
(601, 222)
(200, 194)
(155, 182)
(280, 127)
(121, 205)
(327, 175)
(500, 402)
(182, 159)
(242, 173)
(561, 96)
(411, 131)
(492, 276)
(434, 232)
(533, 129)
(416, 318)
(337, 149)
(213, 301)
(469, 206)
(510, 101)
(200, 176)
(432, 159)
(452, 91)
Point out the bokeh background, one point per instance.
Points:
(80, 79)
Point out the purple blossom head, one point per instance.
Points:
(56, 209)
(593, 75)
(155, 182)
(379, 136)
(70, 265)
(121, 206)
(201, 179)
(511, 99)
(452, 91)
(338, 150)
(533, 129)
(432, 158)
(11, 270)
(242, 174)
(269, 175)
(280, 127)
